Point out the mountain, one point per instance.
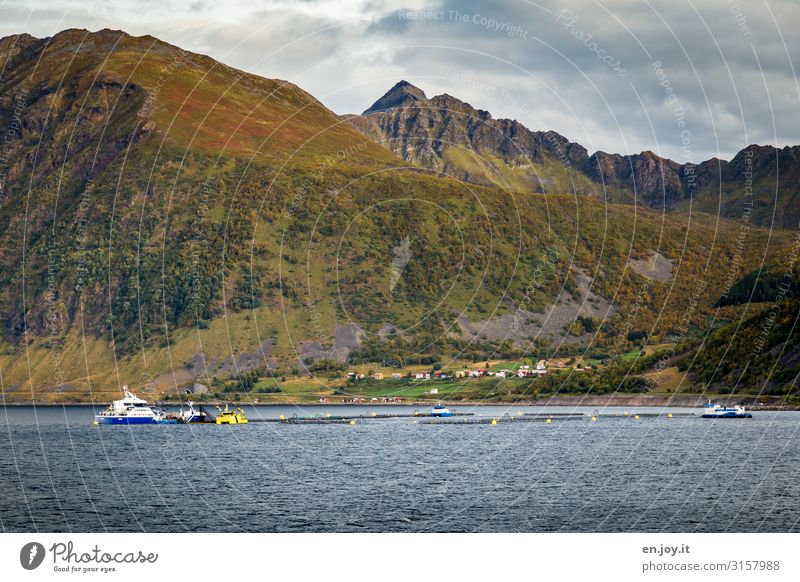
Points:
(126, 85)
(450, 136)
(447, 135)
(401, 94)
(165, 218)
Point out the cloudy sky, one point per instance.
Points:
(687, 79)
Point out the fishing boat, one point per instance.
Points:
(131, 409)
(441, 411)
(228, 416)
(712, 410)
(193, 416)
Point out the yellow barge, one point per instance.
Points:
(228, 416)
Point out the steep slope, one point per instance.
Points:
(762, 352)
(100, 120)
(165, 218)
(76, 80)
(452, 137)
(448, 135)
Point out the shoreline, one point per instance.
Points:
(766, 403)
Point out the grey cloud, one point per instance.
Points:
(562, 61)
(391, 23)
(522, 61)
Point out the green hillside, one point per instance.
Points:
(761, 353)
(166, 219)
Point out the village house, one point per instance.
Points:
(422, 375)
(541, 368)
(377, 376)
(397, 376)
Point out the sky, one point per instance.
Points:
(687, 79)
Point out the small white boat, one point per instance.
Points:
(131, 410)
(712, 410)
(441, 411)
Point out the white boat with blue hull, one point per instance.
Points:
(441, 411)
(193, 416)
(712, 410)
(131, 410)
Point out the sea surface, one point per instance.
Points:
(60, 473)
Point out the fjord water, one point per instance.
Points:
(60, 473)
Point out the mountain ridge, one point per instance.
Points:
(422, 130)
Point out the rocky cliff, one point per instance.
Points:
(452, 137)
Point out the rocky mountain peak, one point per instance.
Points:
(400, 95)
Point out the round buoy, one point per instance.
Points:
(594, 419)
(373, 414)
(669, 415)
(625, 413)
(494, 421)
(282, 417)
(352, 423)
(636, 417)
(549, 421)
